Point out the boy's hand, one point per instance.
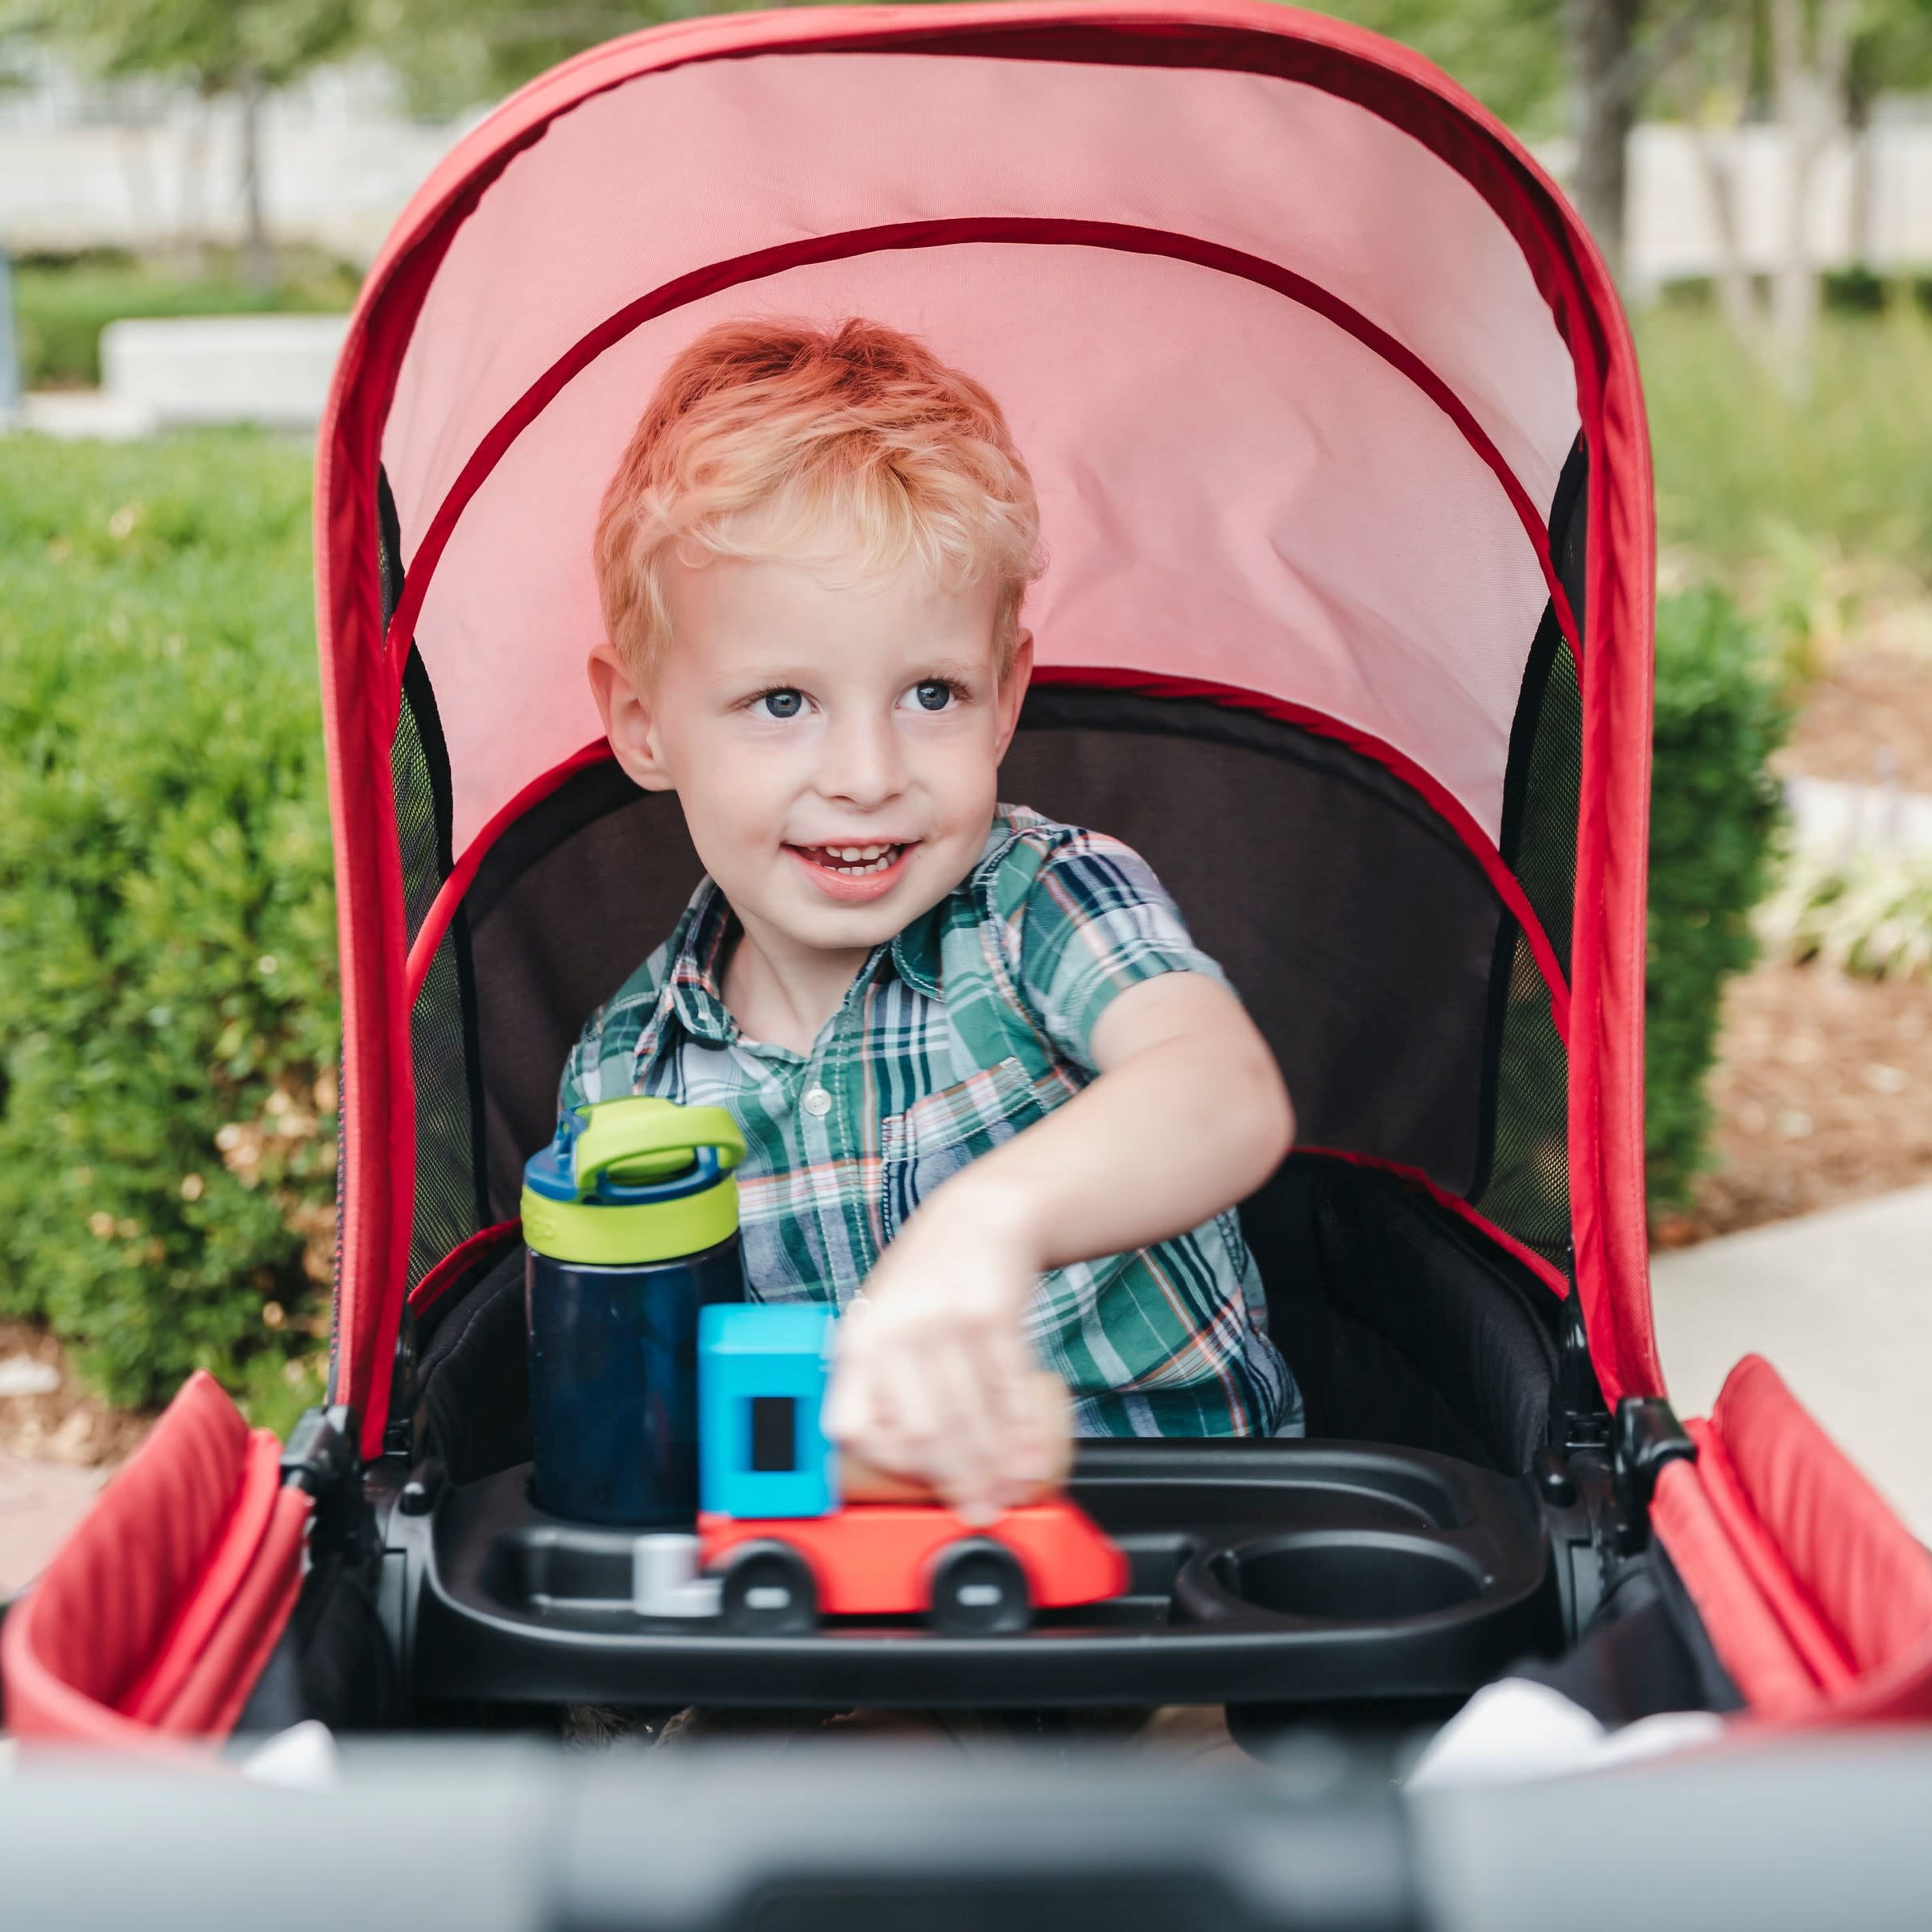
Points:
(934, 1380)
(1188, 1115)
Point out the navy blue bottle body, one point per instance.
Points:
(613, 1383)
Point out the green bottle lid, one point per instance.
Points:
(634, 1181)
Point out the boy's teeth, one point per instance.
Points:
(858, 858)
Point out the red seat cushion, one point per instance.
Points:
(1818, 1599)
(157, 1611)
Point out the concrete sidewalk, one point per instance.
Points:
(39, 1502)
(1840, 1304)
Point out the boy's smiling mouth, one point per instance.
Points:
(854, 873)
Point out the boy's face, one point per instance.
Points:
(835, 746)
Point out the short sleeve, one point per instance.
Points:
(1095, 921)
(610, 1039)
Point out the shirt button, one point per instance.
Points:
(818, 1102)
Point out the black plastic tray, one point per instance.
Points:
(1283, 1572)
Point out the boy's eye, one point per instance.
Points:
(780, 704)
(935, 694)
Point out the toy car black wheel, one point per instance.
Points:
(978, 1590)
(768, 1590)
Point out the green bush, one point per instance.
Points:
(1715, 816)
(61, 307)
(167, 958)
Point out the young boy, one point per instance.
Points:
(981, 1067)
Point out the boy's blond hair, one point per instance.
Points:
(777, 440)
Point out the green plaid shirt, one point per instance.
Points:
(974, 1022)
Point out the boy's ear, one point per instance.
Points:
(629, 722)
(1013, 689)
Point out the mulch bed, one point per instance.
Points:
(1868, 721)
(66, 1424)
(1823, 1092)
(1823, 1085)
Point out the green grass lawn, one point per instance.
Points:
(1741, 472)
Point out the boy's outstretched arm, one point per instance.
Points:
(1188, 1115)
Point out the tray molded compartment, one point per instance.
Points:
(1243, 1556)
(1332, 1576)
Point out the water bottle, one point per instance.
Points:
(630, 1218)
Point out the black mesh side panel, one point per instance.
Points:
(420, 813)
(1527, 1189)
(1539, 841)
(442, 1024)
(1545, 777)
(1524, 1186)
(446, 1210)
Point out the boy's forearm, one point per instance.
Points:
(1177, 1131)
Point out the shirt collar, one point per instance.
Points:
(915, 949)
(692, 988)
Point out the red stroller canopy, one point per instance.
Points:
(1296, 338)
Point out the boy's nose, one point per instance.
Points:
(863, 764)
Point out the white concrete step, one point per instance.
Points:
(185, 372)
(78, 415)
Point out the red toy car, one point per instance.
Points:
(902, 1558)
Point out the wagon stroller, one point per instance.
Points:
(1344, 479)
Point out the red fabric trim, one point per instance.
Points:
(1031, 231)
(459, 1261)
(1750, 1642)
(1869, 1577)
(150, 1595)
(1783, 1593)
(1606, 1087)
(1552, 1277)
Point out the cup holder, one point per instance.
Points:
(1344, 1577)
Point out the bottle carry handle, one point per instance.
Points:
(618, 1132)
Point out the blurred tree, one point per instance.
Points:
(243, 48)
(1618, 49)
(1508, 53)
(452, 54)
(1810, 69)
(1542, 65)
